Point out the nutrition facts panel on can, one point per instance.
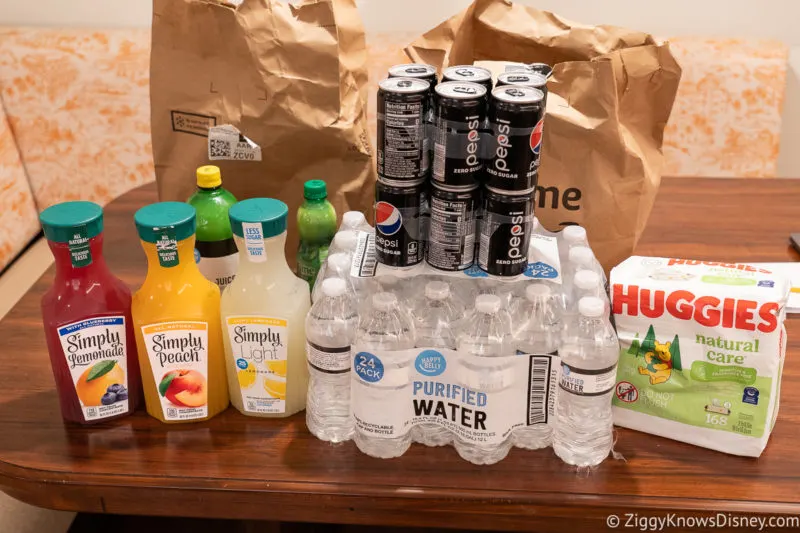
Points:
(403, 147)
(451, 239)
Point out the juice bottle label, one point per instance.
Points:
(259, 347)
(167, 249)
(220, 269)
(254, 242)
(80, 251)
(178, 353)
(95, 350)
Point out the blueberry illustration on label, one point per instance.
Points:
(539, 270)
(430, 363)
(368, 367)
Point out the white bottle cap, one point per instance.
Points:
(334, 287)
(535, 291)
(384, 301)
(437, 290)
(591, 307)
(346, 240)
(339, 262)
(353, 219)
(535, 224)
(587, 280)
(487, 303)
(575, 234)
(581, 255)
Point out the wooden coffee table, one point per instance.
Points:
(249, 468)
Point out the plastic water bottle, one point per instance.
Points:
(336, 266)
(435, 320)
(539, 333)
(355, 220)
(384, 329)
(487, 334)
(575, 236)
(344, 241)
(589, 352)
(584, 283)
(330, 330)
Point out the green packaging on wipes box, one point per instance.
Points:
(702, 348)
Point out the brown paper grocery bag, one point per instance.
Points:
(610, 96)
(291, 78)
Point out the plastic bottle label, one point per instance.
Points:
(587, 382)
(254, 242)
(95, 350)
(480, 400)
(220, 270)
(80, 251)
(328, 360)
(178, 354)
(167, 249)
(259, 348)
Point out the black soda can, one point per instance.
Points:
(505, 232)
(451, 237)
(403, 152)
(470, 73)
(401, 210)
(514, 143)
(415, 70)
(541, 68)
(524, 79)
(459, 115)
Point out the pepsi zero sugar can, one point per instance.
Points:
(460, 111)
(525, 79)
(414, 70)
(400, 225)
(451, 236)
(470, 73)
(402, 142)
(516, 121)
(505, 232)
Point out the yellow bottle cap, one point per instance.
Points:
(208, 177)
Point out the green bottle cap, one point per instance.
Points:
(268, 212)
(61, 222)
(315, 190)
(176, 218)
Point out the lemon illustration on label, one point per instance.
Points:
(275, 387)
(247, 376)
(277, 367)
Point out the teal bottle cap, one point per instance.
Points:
(268, 212)
(315, 190)
(60, 222)
(177, 217)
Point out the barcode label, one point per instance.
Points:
(542, 386)
(364, 260)
(438, 161)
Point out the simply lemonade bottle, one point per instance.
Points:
(215, 249)
(263, 316)
(176, 319)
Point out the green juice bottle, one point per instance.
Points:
(215, 250)
(316, 222)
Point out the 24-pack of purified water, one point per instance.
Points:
(702, 350)
(462, 358)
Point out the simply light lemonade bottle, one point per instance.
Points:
(176, 319)
(263, 316)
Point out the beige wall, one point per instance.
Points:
(774, 19)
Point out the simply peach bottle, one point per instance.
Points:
(263, 315)
(176, 319)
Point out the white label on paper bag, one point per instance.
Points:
(226, 142)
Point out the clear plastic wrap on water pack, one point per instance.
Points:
(444, 357)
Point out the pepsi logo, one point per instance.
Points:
(472, 136)
(516, 230)
(388, 218)
(536, 137)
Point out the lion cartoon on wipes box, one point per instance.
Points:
(659, 358)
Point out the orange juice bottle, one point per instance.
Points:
(176, 320)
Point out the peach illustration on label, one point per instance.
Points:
(94, 383)
(184, 388)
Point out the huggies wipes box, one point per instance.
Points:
(701, 351)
